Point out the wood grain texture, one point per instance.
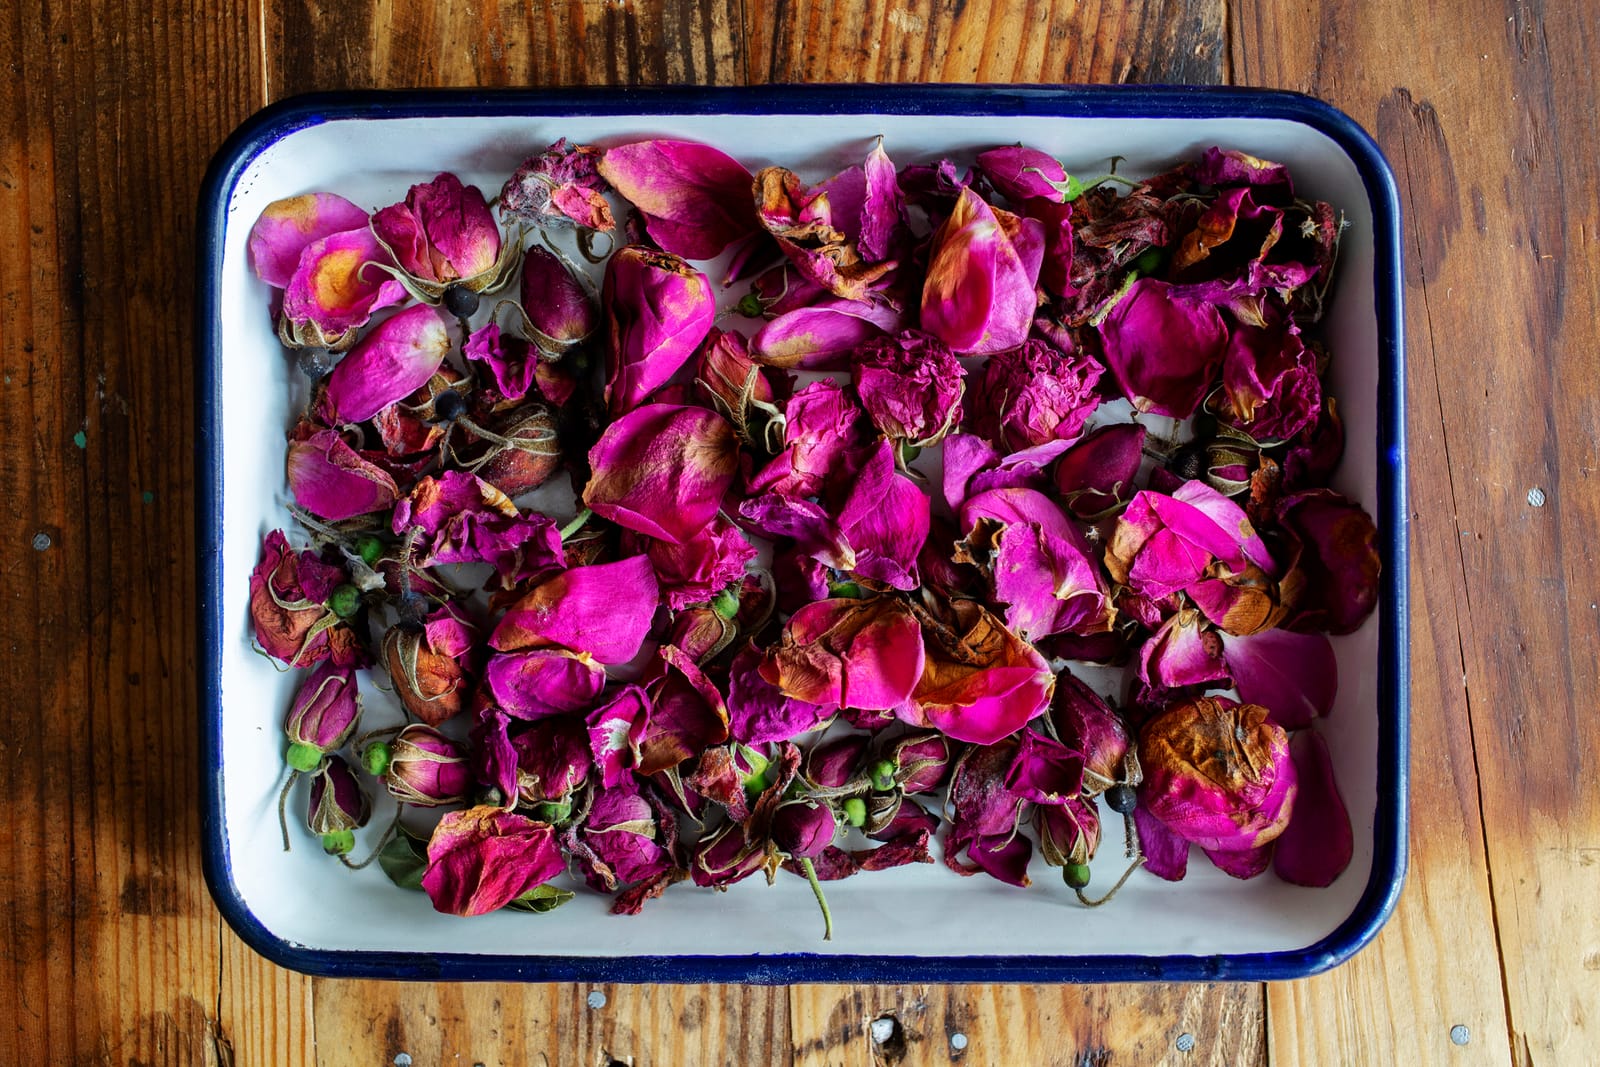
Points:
(113, 945)
(1502, 280)
(986, 41)
(1097, 1026)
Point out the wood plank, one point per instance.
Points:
(1097, 1026)
(360, 1023)
(114, 953)
(986, 41)
(316, 45)
(1503, 286)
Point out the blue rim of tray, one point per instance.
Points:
(1390, 830)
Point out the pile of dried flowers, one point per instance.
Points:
(777, 632)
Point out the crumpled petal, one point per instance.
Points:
(392, 361)
(865, 654)
(543, 682)
(701, 567)
(910, 385)
(552, 759)
(442, 232)
(562, 184)
(815, 533)
(1225, 166)
(481, 859)
(464, 519)
(979, 294)
(823, 424)
(1040, 563)
(1033, 395)
(615, 730)
(330, 479)
(657, 309)
(1270, 379)
(287, 226)
(1045, 771)
(338, 284)
(695, 199)
(758, 711)
(1163, 347)
(1294, 676)
(802, 224)
(985, 690)
(1317, 845)
(1337, 558)
(1163, 544)
(880, 208)
(602, 610)
(687, 713)
(662, 470)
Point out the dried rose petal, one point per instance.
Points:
(885, 522)
(1217, 773)
(543, 682)
(802, 224)
(695, 200)
(1225, 166)
(287, 226)
(330, 479)
(662, 470)
(1318, 843)
(657, 310)
(615, 731)
(1097, 475)
(979, 295)
(1336, 556)
(986, 817)
(1270, 379)
(337, 285)
(1163, 347)
(687, 713)
(1045, 771)
(1294, 676)
(758, 711)
(442, 231)
(392, 361)
(1163, 544)
(1166, 855)
(823, 335)
(602, 610)
(984, 687)
(865, 654)
(620, 831)
(1184, 651)
(481, 859)
(823, 424)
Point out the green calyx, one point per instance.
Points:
(339, 843)
(303, 757)
(375, 758)
(369, 548)
(1150, 261)
(345, 601)
(855, 811)
(553, 811)
(881, 775)
(749, 306)
(1076, 875)
(726, 603)
(847, 589)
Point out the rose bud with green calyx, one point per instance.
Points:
(426, 768)
(339, 806)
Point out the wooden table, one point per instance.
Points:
(113, 953)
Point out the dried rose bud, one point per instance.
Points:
(621, 833)
(823, 335)
(556, 303)
(1033, 395)
(1164, 348)
(483, 858)
(985, 817)
(528, 456)
(919, 761)
(325, 712)
(803, 828)
(982, 682)
(1069, 836)
(289, 596)
(552, 759)
(444, 232)
(657, 310)
(392, 361)
(1218, 774)
(984, 263)
(427, 768)
(428, 666)
(726, 856)
(1019, 173)
(560, 185)
(910, 386)
(702, 632)
(1086, 723)
(339, 806)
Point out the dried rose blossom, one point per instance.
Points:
(1270, 379)
(910, 385)
(802, 224)
(824, 334)
(865, 654)
(552, 759)
(1184, 651)
(463, 519)
(687, 714)
(656, 311)
(696, 570)
(1163, 544)
(481, 859)
(1218, 774)
(621, 840)
(803, 828)
(1033, 395)
(562, 184)
(823, 424)
(290, 594)
(1335, 554)
(981, 681)
(442, 233)
(287, 227)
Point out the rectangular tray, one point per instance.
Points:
(915, 924)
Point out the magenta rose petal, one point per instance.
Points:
(390, 363)
(481, 859)
(1184, 651)
(1097, 474)
(1166, 855)
(442, 232)
(885, 521)
(1294, 676)
(758, 712)
(695, 571)
(695, 200)
(1338, 559)
(880, 208)
(979, 294)
(616, 729)
(1242, 864)
(1318, 843)
(337, 285)
(661, 470)
(602, 610)
(330, 479)
(1163, 348)
(287, 226)
(822, 335)
(543, 682)
(657, 309)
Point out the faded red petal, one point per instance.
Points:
(1318, 843)
(1294, 676)
(482, 859)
